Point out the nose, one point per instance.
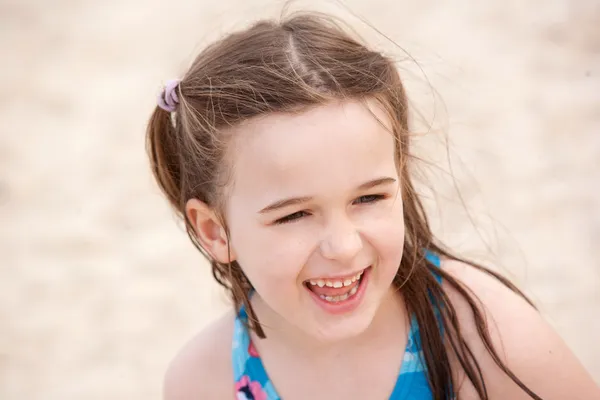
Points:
(342, 242)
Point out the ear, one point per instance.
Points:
(210, 231)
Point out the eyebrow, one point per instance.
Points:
(299, 200)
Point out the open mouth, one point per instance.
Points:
(337, 290)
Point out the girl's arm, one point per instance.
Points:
(524, 340)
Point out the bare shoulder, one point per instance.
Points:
(202, 369)
(525, 342)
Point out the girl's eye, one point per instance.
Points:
(291, 218)
(367, 199)
(370, 198)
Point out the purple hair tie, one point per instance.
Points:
(167, 99)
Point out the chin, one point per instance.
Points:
(327, 329)
(344, 330)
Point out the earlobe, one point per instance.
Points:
(210, 231)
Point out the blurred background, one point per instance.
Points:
(99, 285)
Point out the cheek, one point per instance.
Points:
(270, 258)
(388, 238)
(386, 235)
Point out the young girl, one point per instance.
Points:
(286, 149)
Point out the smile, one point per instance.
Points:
(338, 295)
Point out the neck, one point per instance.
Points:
(390, 324)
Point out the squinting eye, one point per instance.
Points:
(291, 218)
(371, 198)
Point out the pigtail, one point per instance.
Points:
(162, 144)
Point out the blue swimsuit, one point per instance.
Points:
(253, 383)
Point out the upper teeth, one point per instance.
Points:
(336, 283)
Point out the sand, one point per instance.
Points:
(99, 285)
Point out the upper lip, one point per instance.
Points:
(338, 277)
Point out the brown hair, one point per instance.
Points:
(304, 61)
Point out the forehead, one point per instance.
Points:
(334, 146)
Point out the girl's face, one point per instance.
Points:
(315, 216)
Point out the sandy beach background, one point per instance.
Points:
(99, 285)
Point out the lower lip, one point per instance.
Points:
(348, 305)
